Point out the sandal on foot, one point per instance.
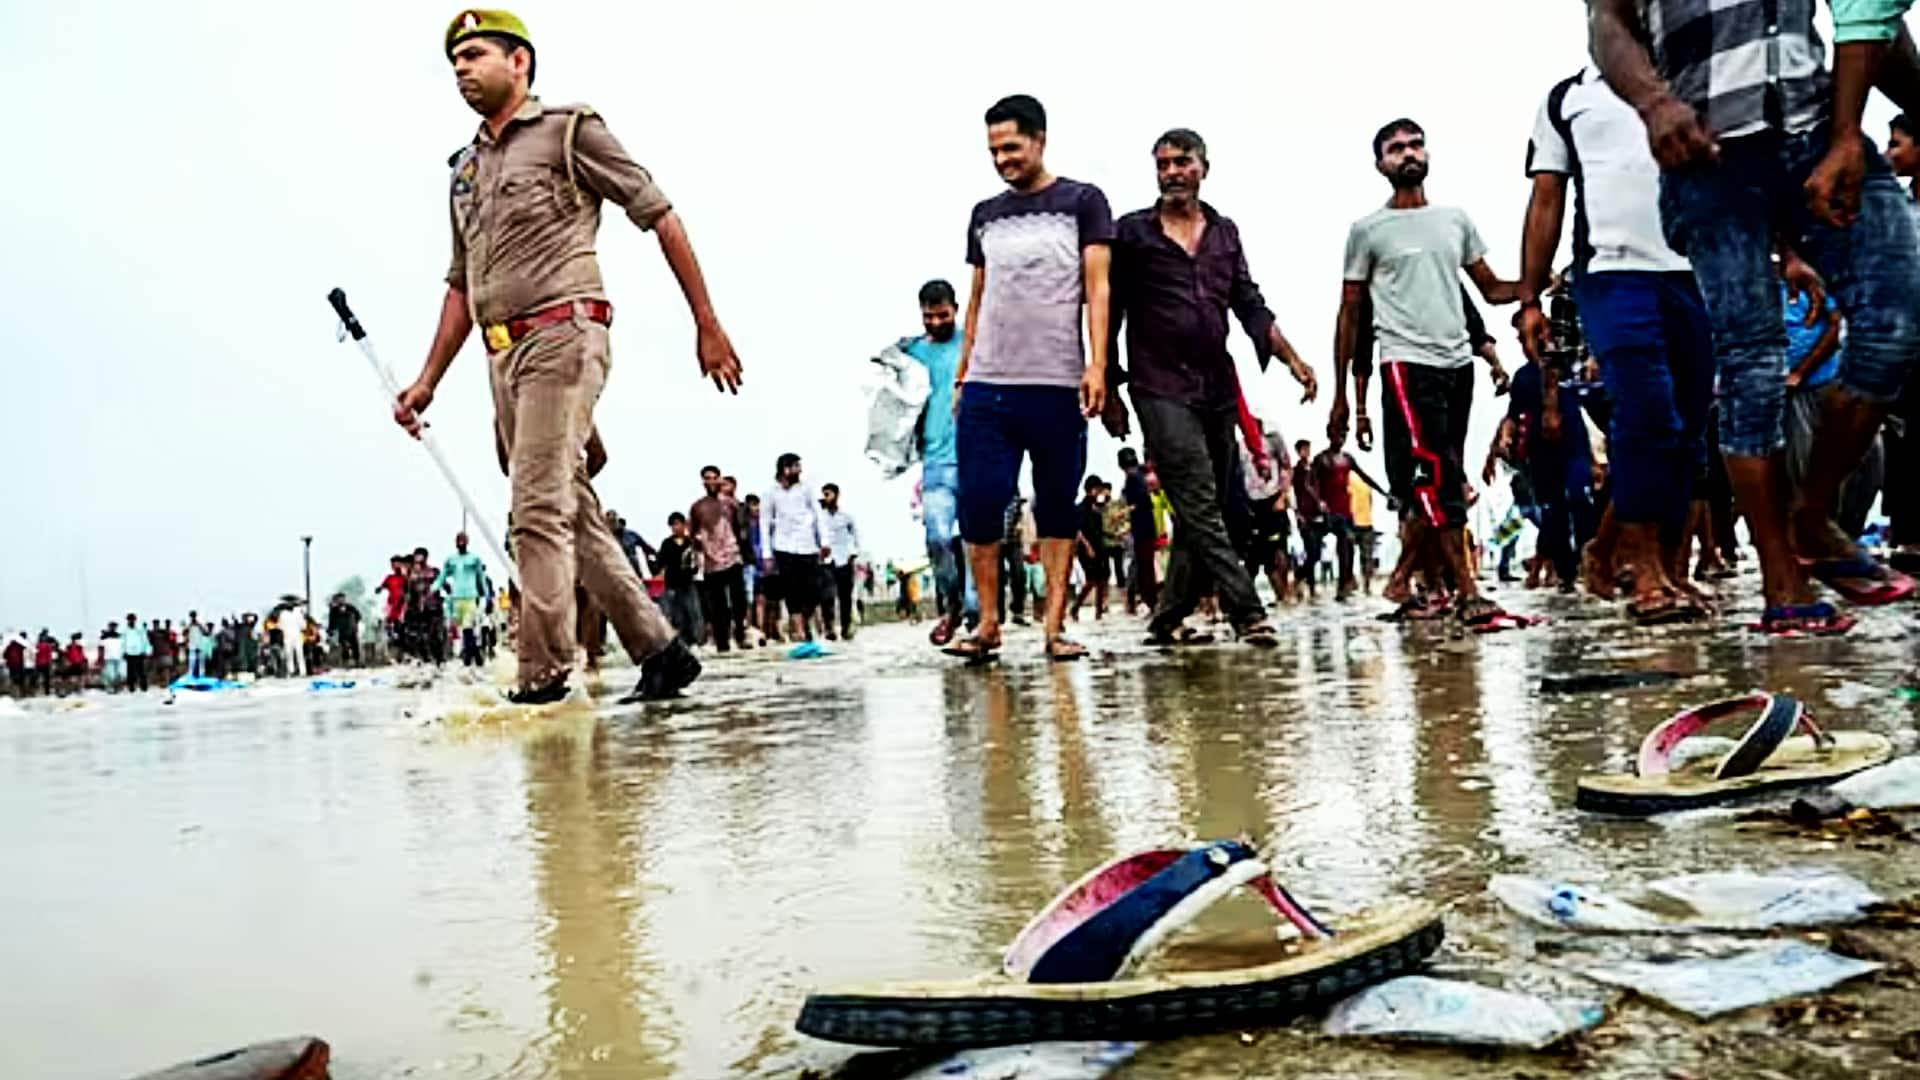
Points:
(1665, 608)
(1797, 620)
(974, 650)
(1861, 579)
(1259, 634)
(1061, 649)
(1181, 635)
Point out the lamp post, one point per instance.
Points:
(306, 567)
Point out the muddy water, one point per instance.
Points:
(651, 892)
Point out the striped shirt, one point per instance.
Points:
(1747, 65)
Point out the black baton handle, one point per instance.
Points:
(338, 298)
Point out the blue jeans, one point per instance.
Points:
(1724, 218)
(1650, 333)
(940, 513)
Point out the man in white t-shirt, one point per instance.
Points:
(1643, 318)
(1406, 257)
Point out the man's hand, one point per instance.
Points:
(1093, 391)
(1309, 384)
(958, 385)
(1535, 330)
(1338, 418)
(826, 554)
(1803, 279)
(1502, 382)
(1115, 419)
(717, 359)
(1677, 136)
(1486, 474)
(1363, 432)
(1833, 191)
(409, 405)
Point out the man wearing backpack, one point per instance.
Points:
(1644, 320)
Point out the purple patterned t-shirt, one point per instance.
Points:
(1030, 243)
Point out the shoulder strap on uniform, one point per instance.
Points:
(574, 113)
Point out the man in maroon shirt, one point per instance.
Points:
(1179, 272)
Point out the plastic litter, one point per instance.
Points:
(1884, 787)
(807, 650)
(202, 684)
(1734, 900)
(1033, 1061)
(1711, 986)
(323, 685)
(1422, 1009)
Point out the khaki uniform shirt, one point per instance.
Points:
(525, 217)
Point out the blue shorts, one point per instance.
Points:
(999, 425)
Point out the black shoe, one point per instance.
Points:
(664, 674)
(545, 694)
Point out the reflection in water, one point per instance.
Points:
(605, 1015)
(651, 893)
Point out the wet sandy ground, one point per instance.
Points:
(644, 892)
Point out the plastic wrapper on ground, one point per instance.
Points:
(1690, 903)
(1709, 987)
(1416, 1008)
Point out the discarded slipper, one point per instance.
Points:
(1803, 620)
(1861, 579)
(1587, 682)
(302, 1058)
(1767, 758)
(1080, 969)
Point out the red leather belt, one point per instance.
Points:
(501, 336)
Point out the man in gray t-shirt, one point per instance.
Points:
(1406, 258)
(1040, 253)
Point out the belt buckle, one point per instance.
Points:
(498, 337)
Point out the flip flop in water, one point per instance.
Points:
(1483, 616)
(976, 651)
(303, 1058)
(1061, 649)
(1666, 607)
(1803, 620)
(1096, 963)
(1769, 757)
(1861, 579)
(1182, 635)
(1260, 634)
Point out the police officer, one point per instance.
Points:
(525, 200)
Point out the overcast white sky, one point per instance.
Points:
(187, 182)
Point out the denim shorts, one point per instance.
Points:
(1001, 424)
(1724, 218)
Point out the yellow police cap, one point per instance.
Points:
(476, 21)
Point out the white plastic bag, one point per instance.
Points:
(1734, 900)
(1884, 787)
(894, 407)
(1422, 1009)
(1033, 1061)
(1708, 987)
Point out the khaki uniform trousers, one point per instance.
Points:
(544, 390)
